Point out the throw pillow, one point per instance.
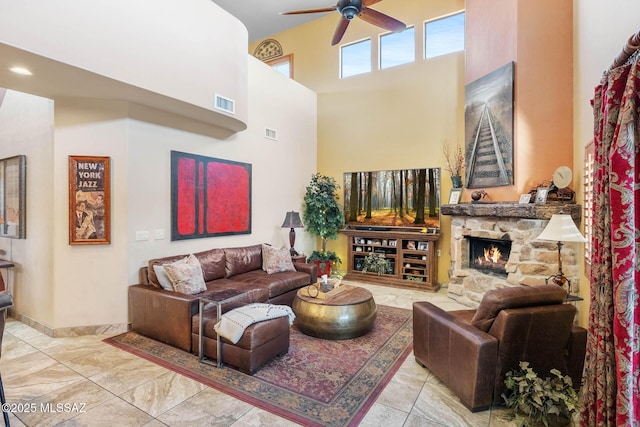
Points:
(276, 260)
(186, 277)
(162, 276)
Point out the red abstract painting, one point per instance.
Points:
(209, 196)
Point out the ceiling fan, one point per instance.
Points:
(349, 9)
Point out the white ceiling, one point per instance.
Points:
(262, 17)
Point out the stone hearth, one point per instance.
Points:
(530, 261)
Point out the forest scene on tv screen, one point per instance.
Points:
(393, 198)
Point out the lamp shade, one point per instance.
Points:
(561, 228)
(292, 220)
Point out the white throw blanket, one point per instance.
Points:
(233, 323)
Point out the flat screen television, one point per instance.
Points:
(388, 199)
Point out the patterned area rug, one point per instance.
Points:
(317, 383)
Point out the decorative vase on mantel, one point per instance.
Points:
(456, 180)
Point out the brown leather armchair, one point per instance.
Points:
(471, 350)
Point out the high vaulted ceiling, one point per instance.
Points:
(262, 17)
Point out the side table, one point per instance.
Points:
(218, 299)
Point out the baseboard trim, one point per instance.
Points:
(73, 331)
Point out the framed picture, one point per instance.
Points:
(454, 196)
(89, 200)
(495, 93)
(209, 196)
(423, 246)
(541, 195)
(525, 198)
(13, 176)
(392, 243)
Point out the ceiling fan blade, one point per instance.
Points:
(381, 20)
(370, 2)
(340, 30)
(299, 12)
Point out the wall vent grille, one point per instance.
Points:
(225, 104)
(271, 134)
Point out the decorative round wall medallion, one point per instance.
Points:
(268, 49)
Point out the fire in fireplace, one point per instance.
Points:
(489, 255)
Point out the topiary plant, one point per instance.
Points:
(322, 216)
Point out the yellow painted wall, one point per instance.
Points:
(387, 119)
(399, 117)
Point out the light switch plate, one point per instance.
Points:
(142, 235)
(159, 233)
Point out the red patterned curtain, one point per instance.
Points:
(611, 389)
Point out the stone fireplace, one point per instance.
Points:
(507, 232)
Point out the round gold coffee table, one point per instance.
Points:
(348, 313)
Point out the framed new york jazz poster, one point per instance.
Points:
(209, 196)
(89, 200)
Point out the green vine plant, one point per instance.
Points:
(376, 263)
(534, 401)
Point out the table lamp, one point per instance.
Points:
(292, 220)
(561, 228)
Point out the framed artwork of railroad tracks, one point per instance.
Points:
(488, 116)
(89, 200)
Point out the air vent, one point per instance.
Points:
(225, 104)
(271, 134)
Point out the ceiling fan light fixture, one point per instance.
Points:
(349, 12)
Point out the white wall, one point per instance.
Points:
(26, 127)
(187, 49)
(601, 29)
(90, 281)
(280, 169)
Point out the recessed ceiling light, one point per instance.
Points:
(21, 70)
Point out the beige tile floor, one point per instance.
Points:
(82, 381)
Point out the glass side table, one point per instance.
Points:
(205, 302)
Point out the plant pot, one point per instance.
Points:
(324, 266)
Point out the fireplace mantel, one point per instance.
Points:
(512, 210)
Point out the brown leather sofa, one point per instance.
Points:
(471, 351)
(167, 316)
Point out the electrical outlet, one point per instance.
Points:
(159, 233)
(439, 253)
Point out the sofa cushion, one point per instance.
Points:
(241, 260)
(186, 277)
(276, 283)
(496, 300)
(213, 264)
(275, 260)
